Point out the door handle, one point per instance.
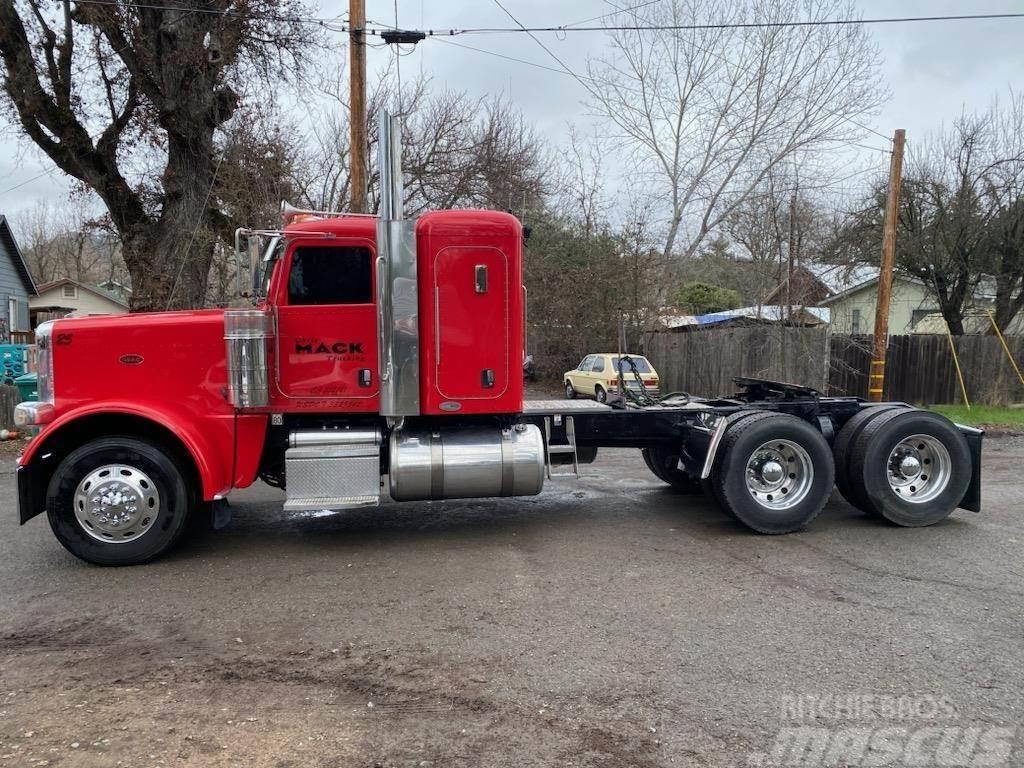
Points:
(365, 377)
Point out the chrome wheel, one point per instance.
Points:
(779, 474)
(919, 468)
(116, 503)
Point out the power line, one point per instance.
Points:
(868, 146)
(538, 42)
(199, 223)
(545, 67)
(732, 25)
(573, 27)
(613, 13)
(28, 181)
(322, 21)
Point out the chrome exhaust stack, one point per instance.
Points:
(397, 289)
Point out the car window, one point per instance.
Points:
(642, 365)
(330, 275)
(598, 364)
(585, 365)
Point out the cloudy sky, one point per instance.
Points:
(933, 70)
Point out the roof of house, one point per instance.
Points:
(841, 277)
(11, 246)
(101, 292)
(772, 313)
(867, 283)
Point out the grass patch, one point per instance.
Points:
(990, 415)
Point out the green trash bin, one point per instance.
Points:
(28, 388)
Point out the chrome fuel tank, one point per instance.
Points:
(469, 462)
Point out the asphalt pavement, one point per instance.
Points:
(606, 622)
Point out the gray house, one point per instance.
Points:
(16, 286)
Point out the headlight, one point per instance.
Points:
(33, 414)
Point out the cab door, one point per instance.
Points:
(327, 328)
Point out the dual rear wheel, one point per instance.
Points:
(774, 472)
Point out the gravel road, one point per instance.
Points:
(604, 623)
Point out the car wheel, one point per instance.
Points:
(118, 501)
(570, 390)
(774, 472)
(914, 467)
(600, 394)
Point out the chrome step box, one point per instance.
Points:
(333, 469)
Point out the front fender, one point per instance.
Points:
(210, 442)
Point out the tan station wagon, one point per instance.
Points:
(597, 376)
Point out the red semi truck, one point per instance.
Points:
(382, 357)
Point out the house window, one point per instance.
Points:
(855, 321)
(14, 316)
(70, 292)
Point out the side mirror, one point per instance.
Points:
(247, 259)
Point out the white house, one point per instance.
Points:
(64, 297)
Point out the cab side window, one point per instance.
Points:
(330, 275)
(585, 365)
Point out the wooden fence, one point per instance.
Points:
(704, 362)
(919, 368)
(9, 398)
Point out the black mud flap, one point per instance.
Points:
(972, 499)
(28, 504)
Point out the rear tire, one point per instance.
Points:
(914, 467)
(118, 501)
(601, 394)
(664, 464)
(842, 450)
(773, 472)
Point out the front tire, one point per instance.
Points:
(570, 390)
(118, 501)
(773, 472)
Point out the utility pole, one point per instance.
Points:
(876, 376)
(791, 255)
(357, 103)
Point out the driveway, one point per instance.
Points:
(608, 622)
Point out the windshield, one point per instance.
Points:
(642, 366)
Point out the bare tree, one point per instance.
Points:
(457, 150)
(961, 223)
(708, 112)
(69, 240)
(128, 98)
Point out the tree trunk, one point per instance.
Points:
(171, 261)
